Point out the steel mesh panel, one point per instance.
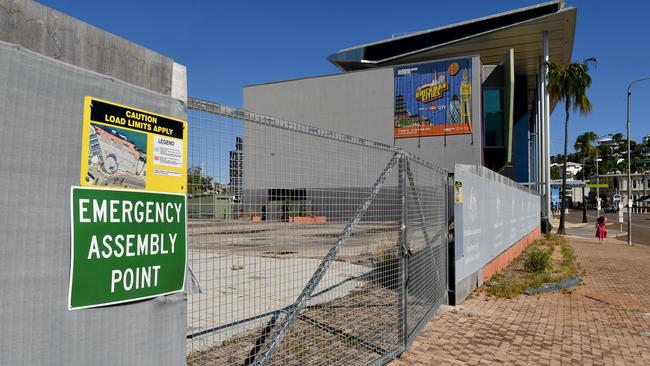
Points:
(427, 240)
(269, 202)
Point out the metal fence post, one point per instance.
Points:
(403, 253)
(447, 206)
(451, 249)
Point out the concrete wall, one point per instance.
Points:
(61, 37)
(494, 218)
(41, 109)
(362, 104)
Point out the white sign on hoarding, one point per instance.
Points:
(620, 212)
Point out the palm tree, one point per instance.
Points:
(585, 144)
(569, 83)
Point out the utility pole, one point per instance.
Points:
(629, 164)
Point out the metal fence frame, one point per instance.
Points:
(416, 219)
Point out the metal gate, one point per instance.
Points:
(307, 246)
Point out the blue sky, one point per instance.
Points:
(229, 44)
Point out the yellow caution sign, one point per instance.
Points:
(125, 147)
(458, 192)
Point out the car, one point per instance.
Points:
(609, 209)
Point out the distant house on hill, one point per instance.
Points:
(571, 170)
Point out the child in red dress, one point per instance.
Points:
(601, 229)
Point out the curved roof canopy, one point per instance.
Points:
(489, 37)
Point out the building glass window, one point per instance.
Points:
(493, 117)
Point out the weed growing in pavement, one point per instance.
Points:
(537, 259)
(548, 260)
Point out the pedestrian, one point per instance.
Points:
(601, 229)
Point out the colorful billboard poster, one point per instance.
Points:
(433, 99)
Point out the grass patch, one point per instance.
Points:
(548, 260)
(538, 260)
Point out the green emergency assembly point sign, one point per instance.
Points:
(126, 245)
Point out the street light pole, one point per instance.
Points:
(597, 187)
(598, 177)
(584, 200)
(629, 164)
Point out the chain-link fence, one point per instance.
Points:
(307, 246)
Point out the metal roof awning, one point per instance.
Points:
(489, 37)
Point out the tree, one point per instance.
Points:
(641, 168)
(587, 170)
(197, 183)
(556, 159)
(638, 149)
(569, 84)
(574, 157)
(622, 146)
(585, 144)
(606, 166)
(605, 151)
(622, 166)
(637, 165)
(555, 172)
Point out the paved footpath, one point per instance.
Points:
(604, 321)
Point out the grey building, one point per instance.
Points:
(236, 174)
(510, 108)
(618, 184)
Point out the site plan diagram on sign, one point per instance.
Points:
(129, 148)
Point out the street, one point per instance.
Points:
(640, 225)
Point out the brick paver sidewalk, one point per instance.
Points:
(605, 321)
